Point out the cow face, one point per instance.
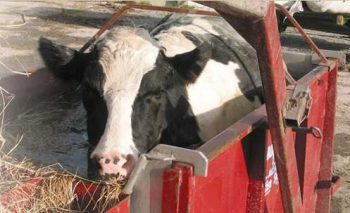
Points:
(140, 115)
(131, 99)
(135, 96)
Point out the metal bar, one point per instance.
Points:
(140, 166)
(178, 186)
(105, 27)
(174, 10)
(263, 35)
(233, 134)
(251, 9)
(306, 38)
(125, 8)
(172, 180)
(324, 195)
(273, 79)
(186, 188)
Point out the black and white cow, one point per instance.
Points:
(334, 6)
(337, 6)
(180, 87)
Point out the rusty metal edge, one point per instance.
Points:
(306, 38)
(108, 24)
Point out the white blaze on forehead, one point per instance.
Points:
(126, 54)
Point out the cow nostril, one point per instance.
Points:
(115, 161)
(107, 161)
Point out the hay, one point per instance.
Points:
(26, 188)
(55, 193)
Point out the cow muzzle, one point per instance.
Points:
(115, 164)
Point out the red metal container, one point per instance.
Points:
(242, 174)
(261, 164)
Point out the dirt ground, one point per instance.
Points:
(341, 201)
(62, 117)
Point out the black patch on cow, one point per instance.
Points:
(94, 76)
(148, 120)
(149, 108)
(216, 49)
(182, 129)
(97, 113)
(189, 65)
(251, 95)
(96, 110)
(161, 112)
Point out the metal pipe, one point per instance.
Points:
(105, 27)
(174, 10)
(125, 8)
(306, 38)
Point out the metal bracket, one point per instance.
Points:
(298, 103)
(164, 152)
(145, 183)
(189, 156)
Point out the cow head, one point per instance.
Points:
(134, 95)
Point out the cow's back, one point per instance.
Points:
(329, 6)
(217, 97)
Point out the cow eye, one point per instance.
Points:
(158, 96)
(148, 100)
(153, 97)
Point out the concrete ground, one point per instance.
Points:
(53, 127)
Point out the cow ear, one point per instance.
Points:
(64, 62)
(189, 65)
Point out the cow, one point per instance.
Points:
(180, 86)
(319, 6)
(339, 6)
